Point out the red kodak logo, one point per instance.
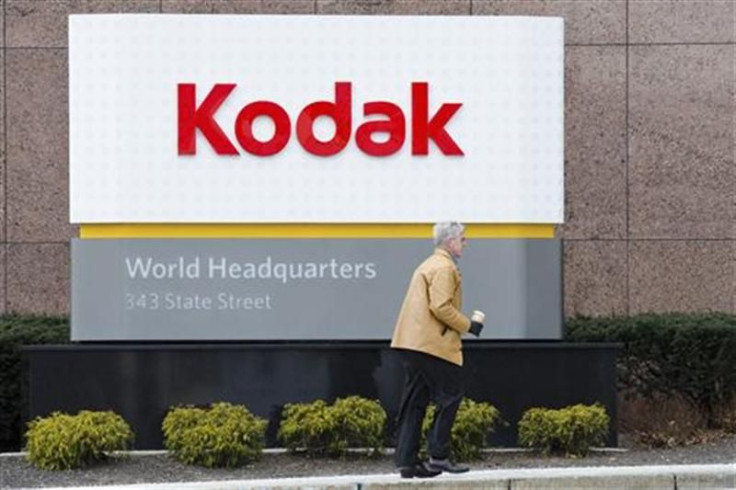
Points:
(423, 127)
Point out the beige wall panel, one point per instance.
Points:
(594, 277)
(682, 275)
(43, 23)
(2, 23)
(682, 21)
(3, 253)
(586, 21)
(595, 142)
(238, 6)
(394, 7)
(38, 278)
(2, 150)
(38, 157)
(681, 138)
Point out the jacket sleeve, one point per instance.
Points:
(441, 292)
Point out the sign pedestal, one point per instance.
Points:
(141, 381)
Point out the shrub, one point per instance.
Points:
(324, 430)
(362, 422)
(570, 431)
(474, 423)
(223, 435)
(662, 421)
(692, 356)
(311, 426)
(15, 332)
(62, 441)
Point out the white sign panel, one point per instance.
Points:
(196, 119)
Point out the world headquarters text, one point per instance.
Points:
(215, 268)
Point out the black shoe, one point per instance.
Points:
(419, 470)
(446, 465)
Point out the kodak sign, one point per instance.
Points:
(193, 117)
(315, 119)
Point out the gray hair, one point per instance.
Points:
(446, 231)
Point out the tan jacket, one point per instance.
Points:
(430, 320)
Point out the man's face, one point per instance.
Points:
(456, 245)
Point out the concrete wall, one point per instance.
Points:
(650, 178)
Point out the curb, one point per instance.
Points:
(387, 451)
(675, 477)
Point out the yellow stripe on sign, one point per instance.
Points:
(311, 230)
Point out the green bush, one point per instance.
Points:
(62, 441)
(362, 422)
(474, 423)
(570, 431)
(687, 355)
(329, 430)
(15, 332)
(311, 426)
(223, 435)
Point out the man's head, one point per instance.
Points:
(450, 236)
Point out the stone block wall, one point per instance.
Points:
(650, 176)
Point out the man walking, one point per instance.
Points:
(427, 335)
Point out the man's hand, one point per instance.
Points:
(476, 328)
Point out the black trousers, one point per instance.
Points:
(427, 378)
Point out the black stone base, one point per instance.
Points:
(141, 381)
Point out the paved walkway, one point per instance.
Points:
(675, 477)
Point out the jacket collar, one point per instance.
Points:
(445, 253)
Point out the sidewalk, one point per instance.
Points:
(675, 477)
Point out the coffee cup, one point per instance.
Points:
(478, 316)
